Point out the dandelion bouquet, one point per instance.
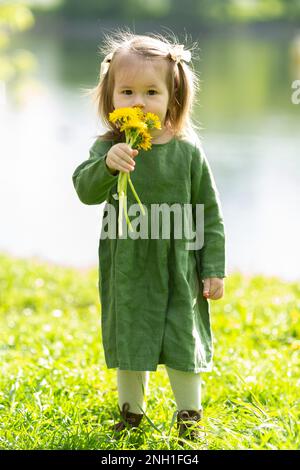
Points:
(136, 126)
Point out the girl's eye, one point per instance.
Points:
(129, 92)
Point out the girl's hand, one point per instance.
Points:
(213, 288)
(119, 157)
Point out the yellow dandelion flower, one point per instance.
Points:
(139, 112)
(144, 141)
(152, 121)
(133, 125)
(121, 115)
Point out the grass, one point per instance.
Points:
(56, 392)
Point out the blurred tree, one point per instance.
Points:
(292, 9)
(114, 9)
(194, 11)
(14, 17)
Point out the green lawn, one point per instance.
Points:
(56, 392)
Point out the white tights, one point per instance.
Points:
(133, 386)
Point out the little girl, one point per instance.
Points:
(155, 309)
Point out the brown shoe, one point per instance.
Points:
(188, 422)
(129, 420)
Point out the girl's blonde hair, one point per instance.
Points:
(182, 81)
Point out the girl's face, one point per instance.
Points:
(140, 82)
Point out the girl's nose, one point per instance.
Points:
(138, 101)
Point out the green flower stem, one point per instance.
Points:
(122, 191)
(123, 179)
(130, 140)
(126, 214)
(121, 205)
(135, 194)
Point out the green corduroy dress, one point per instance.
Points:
(152, 307)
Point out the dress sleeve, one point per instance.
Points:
(92, 179)
(211, 257)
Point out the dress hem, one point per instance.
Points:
(126, 366)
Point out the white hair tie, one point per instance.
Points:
(105, 65)
(178, 53)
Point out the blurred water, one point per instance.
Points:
(251, 137)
